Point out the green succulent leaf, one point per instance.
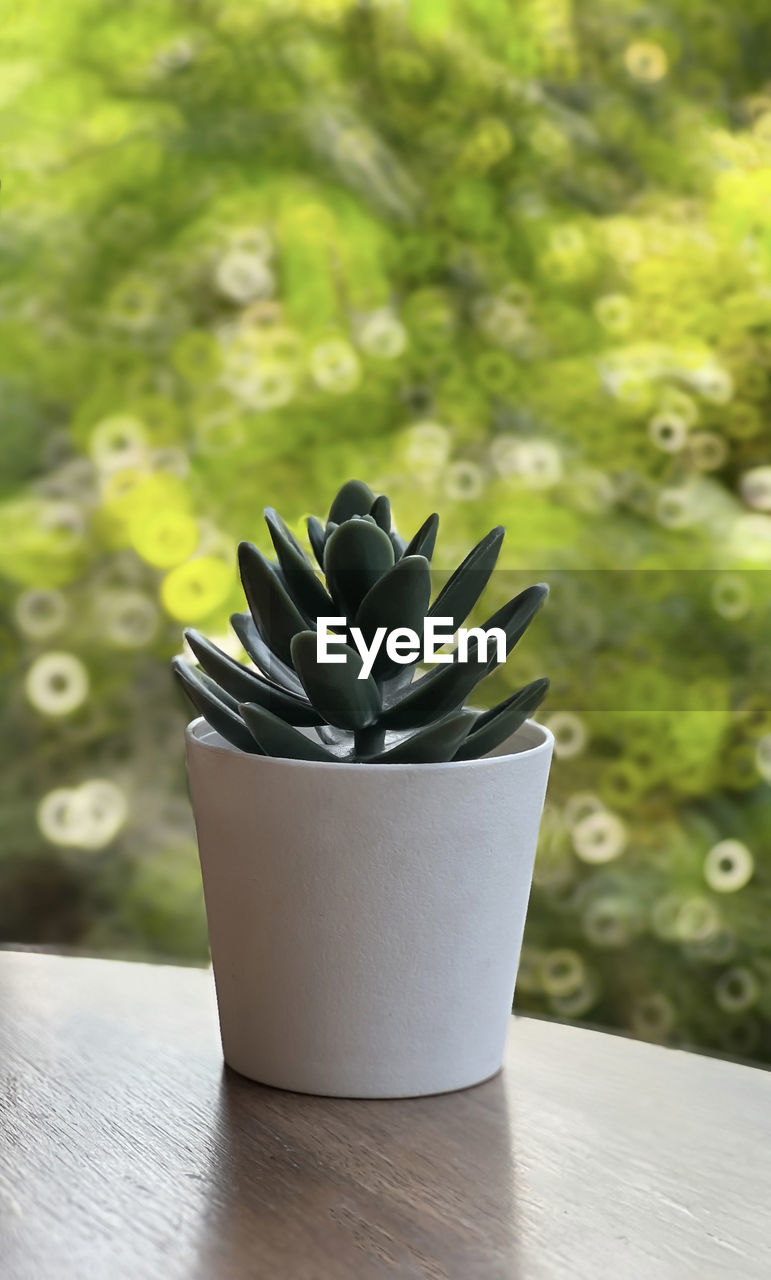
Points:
(195, 677)
(355, 498)
(495, 726)
(335, 689)
(433, 744)
(334, 737)
(277, 738)
(515, 617)
(397, 543)
(217, 708)
(276, 616)
(464, 587)
(357, 555)
(276, 521)
(262, 655)
(398, 599)
(317, 538)
(446, 686)
(247, 686)
(424, 541)
(329, 529)
(381, 513)
(442, 690)
(303, 586)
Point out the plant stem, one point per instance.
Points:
(367, 742)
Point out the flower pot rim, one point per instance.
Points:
(206, 739)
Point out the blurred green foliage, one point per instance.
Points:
(509, 260)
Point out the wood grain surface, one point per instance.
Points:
(127, 1150)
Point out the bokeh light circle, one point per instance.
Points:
(196, 588)
(599, 837)
(580, 805)
(728, 866)
(609, 921)
(243, 276)
(755, 488)
(102, 808)
(697, 919)
(570, 734)
(164, 538)
(707, 450)
(56, 817)
(383, 335)
(130, 618)
(737, 990)
(40, 612)
(652, 1017)
(87, 817)
(428, 446)
(646, 61)
(730, 596)
(118, 442)
(562, 971)
(668, 431)
(463, 481)
(539, 464)
(57, 683)
(335, 366)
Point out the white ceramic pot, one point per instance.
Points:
(365, 920)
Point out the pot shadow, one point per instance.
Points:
(308, 1186)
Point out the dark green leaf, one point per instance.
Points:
(446, 686)
(397, 543)
(217, 708)
(261, 653)
(334, 737)
(247, 686)
(515, 617)
(335, 688)
(276, 738)
(303, 586)
(357, 555)
(432, 745)
(442, 690)
(274, 520)
(495, 726)
(354, 499)
(381, 513)
(394, 680)
(424, 540)
(464, 587)
(275, 615)
(317, 537)
(398, 599)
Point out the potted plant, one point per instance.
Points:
(366, 839)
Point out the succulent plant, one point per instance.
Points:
(291, 704)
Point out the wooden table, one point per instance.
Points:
(126, 1150)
